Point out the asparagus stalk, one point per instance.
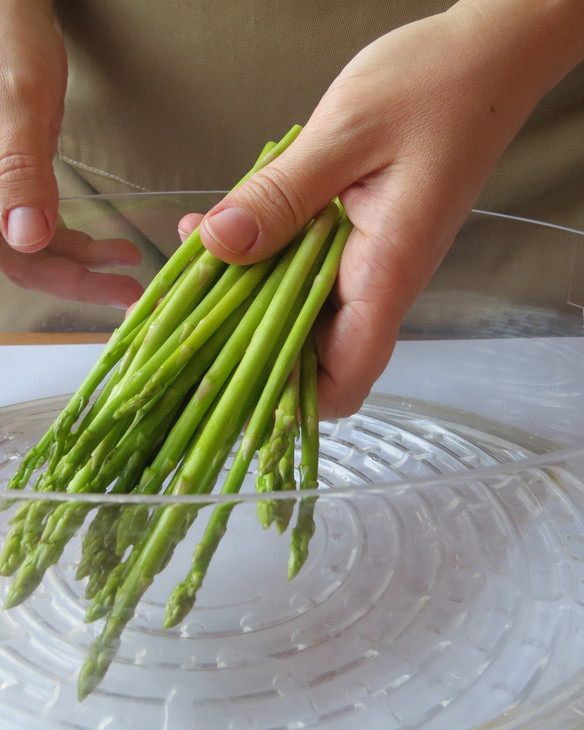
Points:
(200, 468)
(24, 536)
(177, 263)
(125, 462)
(152, 395)
(145, 521)
(96, 475)
(304, 528)
(278, 447)
(42, 543)
(283, 508)
(185, 297)
(156, 378)
(175, 445)
(155, 375)
(184, 594)
(106, 557)
(196, 277)
(52, 444)
(228, 409)
(96, 542)
(193, 279)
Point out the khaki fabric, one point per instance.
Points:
(182, 94)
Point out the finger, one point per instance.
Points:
(113, 290)
(356, 340)
(92, 253)
(33, 71)
(388, 260)
(130, 308)
(28, 201)
(28, 189)
(352, 355)
(66, 279)
(187, 225)
(264, 214)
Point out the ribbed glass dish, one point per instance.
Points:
(444, 586)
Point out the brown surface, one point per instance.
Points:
(52, 338)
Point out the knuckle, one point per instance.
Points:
(354, 116)
(276, 195)
(26, 86)
(340, 114)
(18, 167)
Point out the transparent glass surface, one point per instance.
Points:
(444, 584)
(443, 589)
(148, 220)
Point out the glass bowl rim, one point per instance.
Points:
(170, 193)
(552, 452)
(549, 453)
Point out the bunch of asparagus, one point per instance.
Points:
(214, 359)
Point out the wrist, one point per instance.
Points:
(544, 38)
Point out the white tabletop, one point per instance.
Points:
(537, 384)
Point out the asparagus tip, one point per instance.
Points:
(182, 599)
(96, 665)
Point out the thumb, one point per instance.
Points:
(265, 213)
(28, 189)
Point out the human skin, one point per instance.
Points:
(406, 136)
(33, 76)
(65, 269)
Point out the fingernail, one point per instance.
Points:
(183, 235)
(233, 228)
(26, 227)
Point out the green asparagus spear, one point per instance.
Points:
(200, 469)
(185, 298)
(278, 447)
(97, 542)
(54, 442)
(128, 458)
(175, 445)
(304, 528)
(49, 527)
(145, 522)
(162, 367)
(283, 508)
(50, 446)
(147, 387)
(150, 380)
(183, 596)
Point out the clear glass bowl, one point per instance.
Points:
(444, 586)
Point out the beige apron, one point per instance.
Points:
(182, 94)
